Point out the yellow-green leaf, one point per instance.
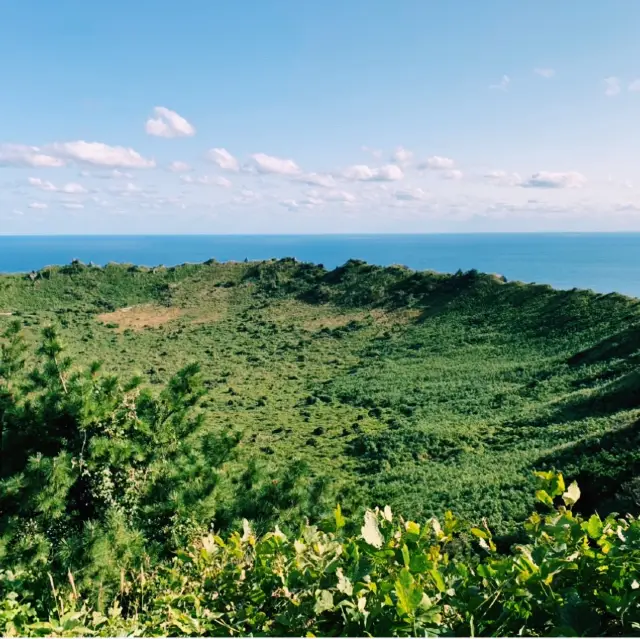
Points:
(405, 555)
(408, 592)
(544, 497)
(594, 527)
(479, 533)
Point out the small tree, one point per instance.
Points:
(93, 467)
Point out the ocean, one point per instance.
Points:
(604, 262)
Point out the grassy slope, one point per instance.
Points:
(415, 389)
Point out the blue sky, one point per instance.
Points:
(276, 116)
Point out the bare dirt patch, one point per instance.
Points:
(140, 317)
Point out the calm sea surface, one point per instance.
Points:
(603, 262)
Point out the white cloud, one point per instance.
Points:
(270, 164)
(23, 155)
(612, 86)
(627, 207)
(437, 163)
(402, 156)
(125, 189)
(338, 196)
(179, 167)
(376, 153)
(359, 172)
(311, 201)
(73, 187)
(292, 205)
(409, 195)
(120, 175)
(111, 175)
(634, 86)
(615, 182)
(45, 185)
(99, 154)
(101, 202)
(503, 178)
(42, 184)
(73, 205)
(364, 173)
(38, 205)
(207, 180)
(503, 85)
(169, 124)
(544, 73)
(453, 174)
(317, 179)
(550, 180)
(223, 159)
(247, 196)
(315, 198)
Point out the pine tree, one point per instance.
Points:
(92, 466)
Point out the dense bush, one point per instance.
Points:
(572, 576)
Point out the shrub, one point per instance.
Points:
(573, 576)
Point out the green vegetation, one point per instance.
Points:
(394, 578)
(269, 392)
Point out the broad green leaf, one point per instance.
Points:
(370, 531)
(437, 578)
(419, 563)
(572, 495)
(479, 533)
(552, 483)
(405, 555)
(408, 592)
(544, 497)
(594, 527)
(451, 524)
(557, 485)
(413, 530)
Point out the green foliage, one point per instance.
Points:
(427, 392)
(381, 380)
(91, 467)
(570, 577)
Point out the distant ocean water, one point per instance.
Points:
(604, 262)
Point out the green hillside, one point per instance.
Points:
(420, 390)
(361, 386)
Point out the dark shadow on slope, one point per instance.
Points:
(619, 346)
(618, 395)
(596, 374)
(601, 466)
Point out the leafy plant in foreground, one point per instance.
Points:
(573, 576)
